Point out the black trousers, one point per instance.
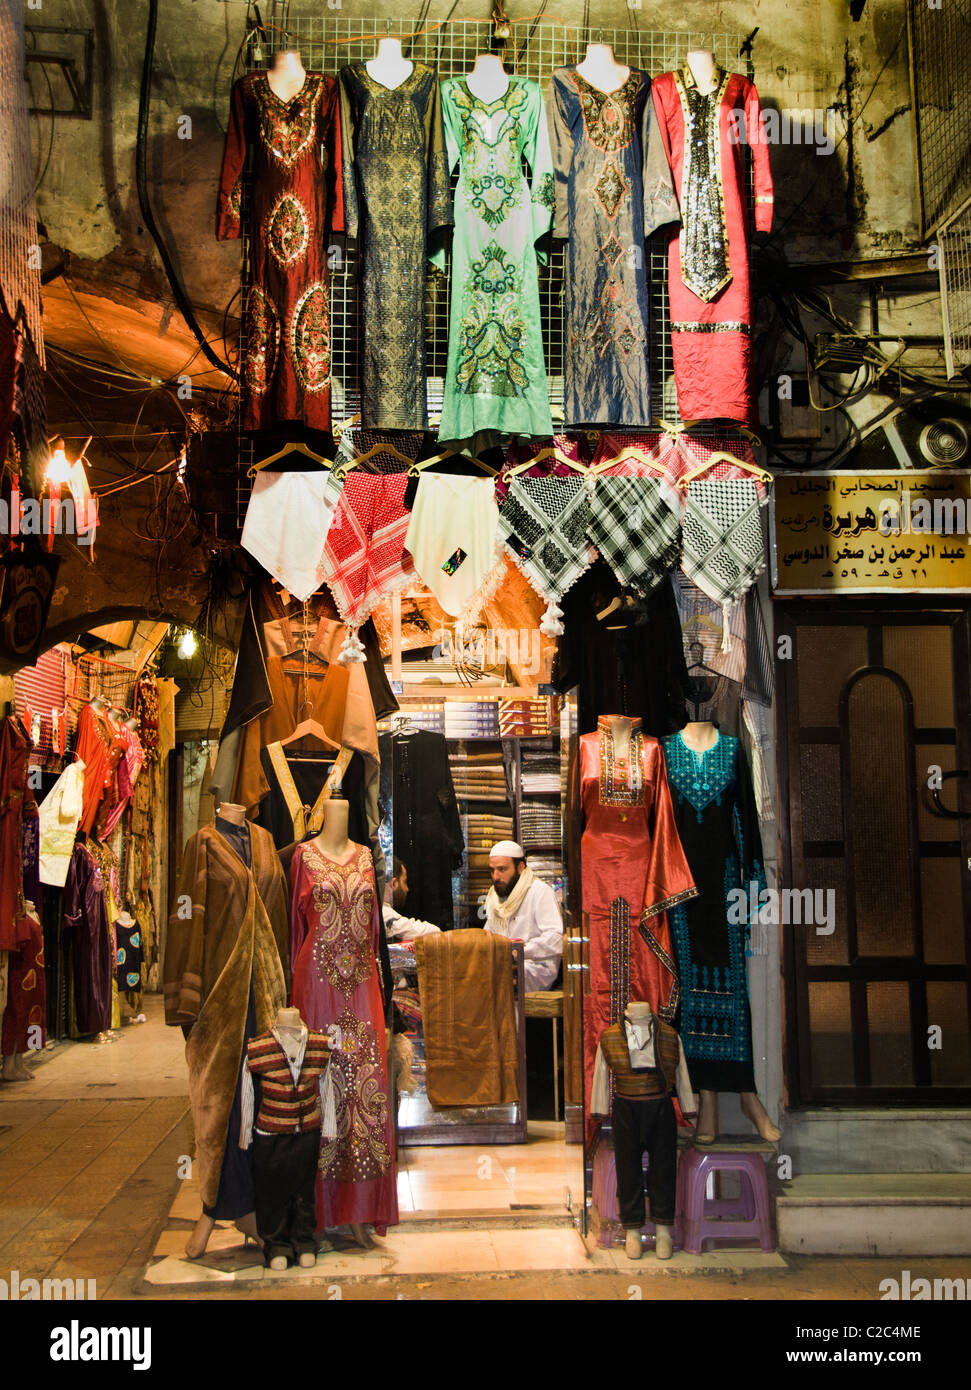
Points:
(284, 1172)
(645, 1126)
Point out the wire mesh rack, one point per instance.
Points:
(954, 266)
(940, 50)
(327, 42)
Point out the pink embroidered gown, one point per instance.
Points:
(335, 922)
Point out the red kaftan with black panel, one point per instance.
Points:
(632, 869)
(296, 201)
(705, 139)
(335, 929)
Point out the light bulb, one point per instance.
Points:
(58, 468)
(187, 644)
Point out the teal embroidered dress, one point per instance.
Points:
(714, 808)
(496, 377)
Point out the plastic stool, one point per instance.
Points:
(606, 1203)
(748, 1216)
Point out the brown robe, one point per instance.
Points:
(468, 1018)
(229, 928)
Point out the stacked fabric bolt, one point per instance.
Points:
(525, 718)
(472, 719)
(431, 720)
(541, 769)
(540, 825)
(478, 776)
(549, 868)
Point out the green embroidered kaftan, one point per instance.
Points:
(496, 379)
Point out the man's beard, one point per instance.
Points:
(503, 889)
(398, 899)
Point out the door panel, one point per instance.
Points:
(871, 702)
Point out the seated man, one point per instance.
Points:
(400, 928)
(522, 907)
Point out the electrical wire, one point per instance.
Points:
(141, 181)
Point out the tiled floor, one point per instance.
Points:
(92, 1150)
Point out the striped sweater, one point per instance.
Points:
(287, 1106)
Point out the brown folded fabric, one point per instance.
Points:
(465, 983)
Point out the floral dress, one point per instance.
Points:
(496, 378)
(335, 924)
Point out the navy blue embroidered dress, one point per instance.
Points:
(714, 807)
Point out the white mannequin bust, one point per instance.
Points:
(601, 69)
(702, 64)
(488, 79)
(389, 66)
(287, 75)
(289, 1021)
(333, 840)
(228, 810)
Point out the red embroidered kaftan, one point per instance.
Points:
(632, 869)
(705, 139)
(296, 200)
(335, 924)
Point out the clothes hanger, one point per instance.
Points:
(342, 471)
(309, 728)
(627, 454)
(419, 466)
(295, 448)
(723, 456)
(549, 452)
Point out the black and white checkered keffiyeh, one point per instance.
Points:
(544, 524)
(722, 547)
(635, 531)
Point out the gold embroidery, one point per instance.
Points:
(262, 336)
(287, 230)
(287, 128)
(310, 338)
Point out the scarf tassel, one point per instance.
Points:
(726, 630)
(551, 626)
(353, 649)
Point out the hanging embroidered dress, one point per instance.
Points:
(705, 138)
(296, 201)
(714, 807)
(335, 930)
(396, 198)
(600, 144)
(633, 872)
(496, 378)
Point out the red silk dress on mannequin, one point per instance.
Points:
(335, 926)
(296, 202)
(704, 139)
(633, 869)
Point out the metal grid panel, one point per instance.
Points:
(940, 50)
(327, 43)
(18, 215)
(954, 266)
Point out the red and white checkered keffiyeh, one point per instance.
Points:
(365, 556)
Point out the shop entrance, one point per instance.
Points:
(875, 783)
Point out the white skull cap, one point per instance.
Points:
(507, 849)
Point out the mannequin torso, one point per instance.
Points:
(389, 66)
(228, 810)
(488, 79)
(601, 69)
(333, 840)
(702, 64)
(287, 75)
(699, 736)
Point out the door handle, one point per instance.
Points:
(938, 808)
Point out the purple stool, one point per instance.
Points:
(607, 1206)
(746, 1217)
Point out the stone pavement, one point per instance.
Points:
(89, 1182)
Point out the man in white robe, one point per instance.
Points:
(522, 907)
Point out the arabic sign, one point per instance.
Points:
(872, 533)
